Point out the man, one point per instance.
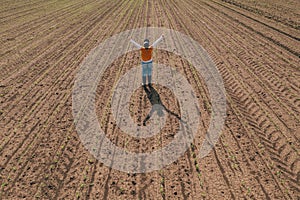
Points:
(146, 56)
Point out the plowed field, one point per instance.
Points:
(255, 45)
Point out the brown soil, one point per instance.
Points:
(255, 46)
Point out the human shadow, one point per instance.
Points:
(157, 104)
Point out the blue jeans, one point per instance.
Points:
(147, 68)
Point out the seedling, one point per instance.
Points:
(233, 157)
(85, 178)
(197, 167)
(243, 183)
(248, 190)
(235, 166)
(77, 195)
(122, 190)
(3, 185)
(82, 185)
(278, 173)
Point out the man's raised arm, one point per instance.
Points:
(135, 44)
(157, 41)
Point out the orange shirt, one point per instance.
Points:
(146, 53)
